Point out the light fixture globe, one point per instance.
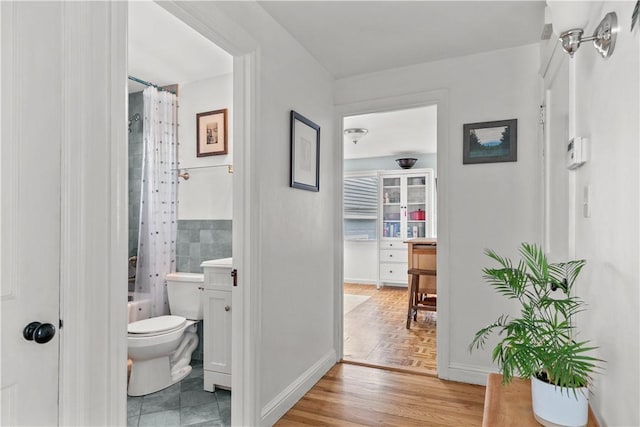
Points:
(571, 40)
(355, 134)
(407, 162)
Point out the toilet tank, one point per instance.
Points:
(184, 291)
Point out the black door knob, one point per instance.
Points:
(39, 332)
(29, 330)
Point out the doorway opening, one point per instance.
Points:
(198, 171)
(388, 200)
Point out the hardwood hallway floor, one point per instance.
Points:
(375, 331)
(351, 395)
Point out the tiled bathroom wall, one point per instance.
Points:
(135, 170)
(202, 240)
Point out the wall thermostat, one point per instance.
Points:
(576, 152)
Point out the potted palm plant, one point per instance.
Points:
(541, 342)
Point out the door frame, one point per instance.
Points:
(213, 24)
(94, 244)
(552, 62)
(93, 217)
(440, 98)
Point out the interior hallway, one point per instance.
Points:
(350, 395)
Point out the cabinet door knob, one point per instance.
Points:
(227, 308)
(201, 288)
(390, 255)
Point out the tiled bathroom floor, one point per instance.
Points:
(182, 404)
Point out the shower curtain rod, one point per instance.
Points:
(135, 79)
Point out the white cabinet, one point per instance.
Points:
(405, 211)
(392, 262)
(217, 323)
(217, 339)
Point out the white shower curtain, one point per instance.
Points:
(158, 202)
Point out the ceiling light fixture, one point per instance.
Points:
(570, 17)
(355, 134)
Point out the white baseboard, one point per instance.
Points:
(362, 281)
(277, 407)
(395, 285)
(468, 373)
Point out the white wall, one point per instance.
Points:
(389, 163)
(296, 236)
(361, 261)
(490, 206)
(207, 194)
(607, 98)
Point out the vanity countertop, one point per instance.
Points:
(222, 262)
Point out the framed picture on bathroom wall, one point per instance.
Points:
(211, 133)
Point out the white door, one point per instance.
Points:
(30, 216)
(217, 344)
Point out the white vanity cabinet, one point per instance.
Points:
(217, 323)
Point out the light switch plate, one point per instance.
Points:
(586, 201)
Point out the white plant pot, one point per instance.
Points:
(558, 406)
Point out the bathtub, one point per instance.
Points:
(138, 310)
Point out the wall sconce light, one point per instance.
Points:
(570, 17)
(355, 134)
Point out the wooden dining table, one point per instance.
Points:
(413, 259)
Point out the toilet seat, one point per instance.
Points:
(156, 326)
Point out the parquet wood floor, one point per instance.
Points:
(350, 395)
(375, 332)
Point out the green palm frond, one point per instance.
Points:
(542, 338)
(571, 367)
(567, 272)
(482, 335)
(507, 281)
(536, 262)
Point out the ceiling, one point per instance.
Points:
(163, 50)
(402, 133)
(364, 37)
(357, 37)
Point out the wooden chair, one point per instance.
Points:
(423, 279)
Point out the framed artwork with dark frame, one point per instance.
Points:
(211, 133)
(490, 142)
(305, 153)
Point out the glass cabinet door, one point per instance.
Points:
(416, 207)
(391, 207)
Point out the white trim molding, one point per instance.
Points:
(246, 325)
(471, 374)
(371, 282)
(213, 24)
(441, 99)
(288, 397)
(93, 349)
(338, 239)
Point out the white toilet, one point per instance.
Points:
(160, 348)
